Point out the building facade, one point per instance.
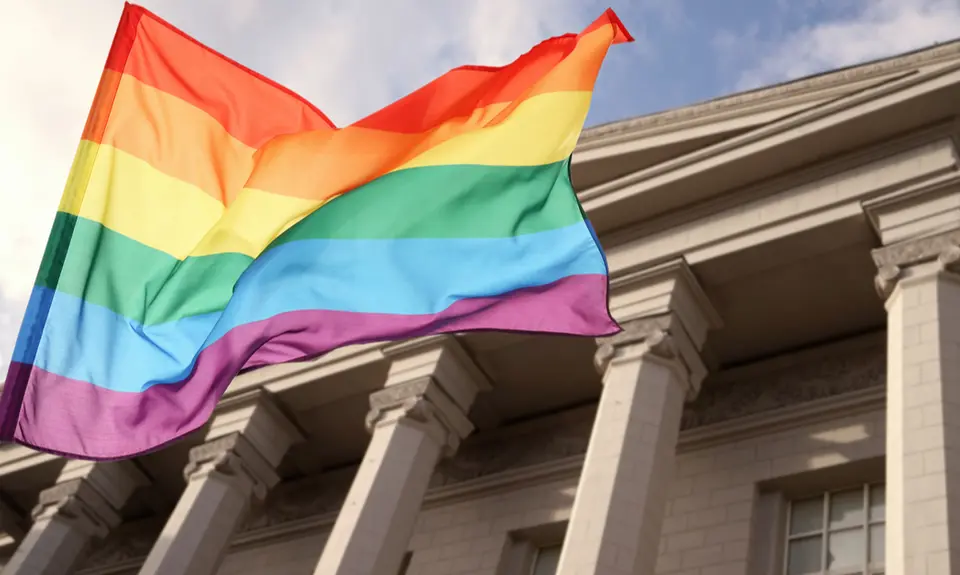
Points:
(785, 264)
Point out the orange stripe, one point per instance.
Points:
(174, 137)
(251, 107)
(321, 165)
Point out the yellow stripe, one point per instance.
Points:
(77, 178)
(542, 130)
(253, 220)
(131, 197)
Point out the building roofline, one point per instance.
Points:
(826, 80)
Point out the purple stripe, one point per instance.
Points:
(77, 419)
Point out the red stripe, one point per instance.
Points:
(125, 37)
(459, 92)
(610, 18)
(248, 105)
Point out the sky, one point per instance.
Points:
(351, 57)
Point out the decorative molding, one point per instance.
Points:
(309, 497)
(651, 333)
(812, 412)
(569, 436)
(904, 64)
(821, 377)
(911, 252)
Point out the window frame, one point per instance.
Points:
(534, 563)
(824, 532)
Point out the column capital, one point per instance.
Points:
(90, 495)
(660, 338)
(665, 314)
(424, 403)
(914, 258)
(234, 459)
(248, 436)
(432, 382)
(255, 415)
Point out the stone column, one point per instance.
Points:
(419, 417)
(919, 282)
(247, 440)
(923, 409)
(649, 370)
(85, 503)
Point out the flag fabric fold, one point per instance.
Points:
(214, 221)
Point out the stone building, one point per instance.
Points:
(785, 265)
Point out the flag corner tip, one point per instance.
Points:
(622, 35)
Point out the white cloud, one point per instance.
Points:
(864, 30)
(349, 57)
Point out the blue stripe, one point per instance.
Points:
(91, 343)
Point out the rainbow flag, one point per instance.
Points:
(214, 221)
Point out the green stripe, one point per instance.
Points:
(56, 251)
(458, 201)
(109, 269)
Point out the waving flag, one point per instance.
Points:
(214, 221)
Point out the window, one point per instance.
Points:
(837, 533)
(546, 560)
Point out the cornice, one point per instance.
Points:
(768, 97)
(820, 173)
(746, 144)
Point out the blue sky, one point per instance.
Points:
(701, 49)
(350, 57)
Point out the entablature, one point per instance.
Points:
(839, 126)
